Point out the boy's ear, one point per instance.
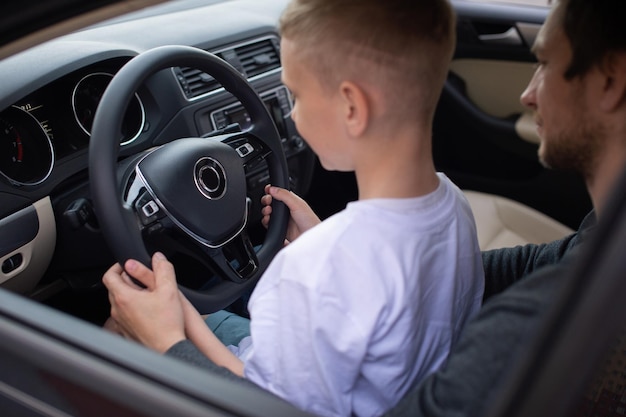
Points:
(356, 108)
(614, 89)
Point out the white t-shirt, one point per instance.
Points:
(356, 309)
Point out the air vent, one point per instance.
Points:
(258, 57)
(250, 59)
(195, 82)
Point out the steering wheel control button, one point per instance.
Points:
(244, 149)
(150, 209)
(147, 209)
(210, 178)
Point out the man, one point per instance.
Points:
(578, 94)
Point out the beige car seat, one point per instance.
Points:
(502, 222)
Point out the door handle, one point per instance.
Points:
(509, 37)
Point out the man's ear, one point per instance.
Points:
(356, 108)
(614, 89)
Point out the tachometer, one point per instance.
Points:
(26, 152)
(86, 97)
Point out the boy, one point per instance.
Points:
(354, 311)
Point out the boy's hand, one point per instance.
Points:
(153, 315)
(302, 216)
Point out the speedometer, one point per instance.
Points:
(26, 152)
(86, 97)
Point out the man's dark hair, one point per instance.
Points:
(594, 29)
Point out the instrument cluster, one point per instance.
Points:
(55, 121)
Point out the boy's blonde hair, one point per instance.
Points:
(402, 47)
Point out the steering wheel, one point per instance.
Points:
(190, 194)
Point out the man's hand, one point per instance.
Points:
(153, 315)
(302, 216)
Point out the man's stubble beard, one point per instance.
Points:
(576, 148)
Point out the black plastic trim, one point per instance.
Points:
(18, 229)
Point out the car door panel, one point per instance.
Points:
(496, 96)
(52, 364)
(29, 247)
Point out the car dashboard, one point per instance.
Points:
(49, 235)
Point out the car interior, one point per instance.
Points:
(91, 119)
(489, 151)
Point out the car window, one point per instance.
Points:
(519, 2)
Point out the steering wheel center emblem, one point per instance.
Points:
(210, 178)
